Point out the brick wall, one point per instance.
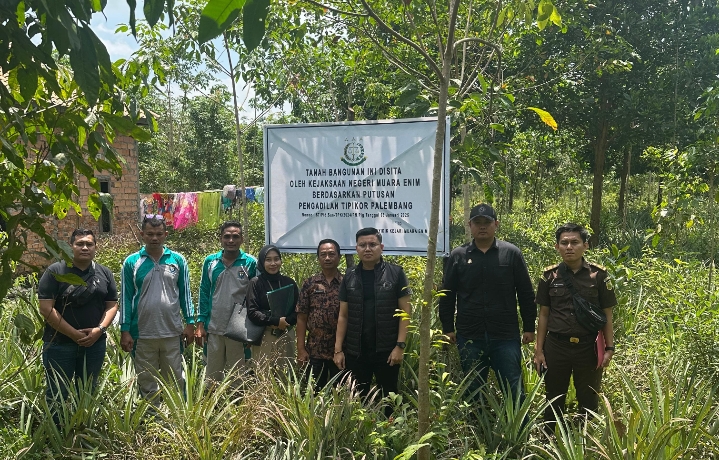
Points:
(126, 196)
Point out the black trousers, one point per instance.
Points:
(364, 367)
(565, 359)
(321, 370)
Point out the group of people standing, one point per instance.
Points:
(354, 323)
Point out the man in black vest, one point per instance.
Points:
(370, 338)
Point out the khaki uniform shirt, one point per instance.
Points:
(590, 282)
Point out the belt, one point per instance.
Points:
(573, 339)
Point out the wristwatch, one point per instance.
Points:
(608, 348)
(102, 328)
(402, 345)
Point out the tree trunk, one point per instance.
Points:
(535, 192)
(238, 137)
(600, 152)
(511, 189)
(466, 205)
(621, 209)
(425, 337)
(170, 132)
(350, 258)
(712, 223)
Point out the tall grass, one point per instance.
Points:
(658, 401)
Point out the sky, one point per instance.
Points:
(116, 12)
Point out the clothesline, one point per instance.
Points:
(184, 209)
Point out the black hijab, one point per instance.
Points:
(261, 262)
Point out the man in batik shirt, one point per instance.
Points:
(317, 312)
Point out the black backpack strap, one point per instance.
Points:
(71, 287)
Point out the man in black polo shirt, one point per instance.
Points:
(370, 339)
(485, 278)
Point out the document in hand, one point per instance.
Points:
(282, 300)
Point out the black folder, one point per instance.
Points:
(282, 300)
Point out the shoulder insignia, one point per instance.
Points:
(551, 267)
(601, 267)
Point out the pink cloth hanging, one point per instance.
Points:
(185, 210)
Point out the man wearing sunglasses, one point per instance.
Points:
(155, 299)
(225, 278)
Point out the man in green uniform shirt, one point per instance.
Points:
(155, 298)
(225, 278)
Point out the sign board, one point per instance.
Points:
(328, 180)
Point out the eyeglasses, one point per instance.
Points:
(231, 237)
(367, 245)
(153, 216)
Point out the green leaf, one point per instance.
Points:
(254, 16)
(555, 17)
(408, 95)
(153, 10)
(545, 10)
(84, 66)
(26, 328)
(132, 4)
(20, 12)
(27, 78)
(69, 278)
(488, 193)
(545, 116)
(655, 240)
(94, 205)
(170, 7)
(497, 127)
(103, 60)
(216, 17)
(126, 126)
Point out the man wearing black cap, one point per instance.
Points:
(485, 278)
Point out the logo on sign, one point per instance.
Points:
(354, 153)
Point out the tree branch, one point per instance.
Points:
(394, 59)
(335, 10)
(383, 25)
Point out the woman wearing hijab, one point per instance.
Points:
(278, 341)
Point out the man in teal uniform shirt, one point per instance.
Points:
(225, 278)
(155, 298)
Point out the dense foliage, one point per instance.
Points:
(659, 394)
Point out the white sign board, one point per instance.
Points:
(328, 180)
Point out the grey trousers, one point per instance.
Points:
(156, 358)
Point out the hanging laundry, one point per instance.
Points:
(260, 195)
(185, 210)
(147, 205)
(229, 194)
(208, 208)
(250, 194)
(159, 203)
(229, 191)
(168, 209)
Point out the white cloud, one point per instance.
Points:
(119, 48)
